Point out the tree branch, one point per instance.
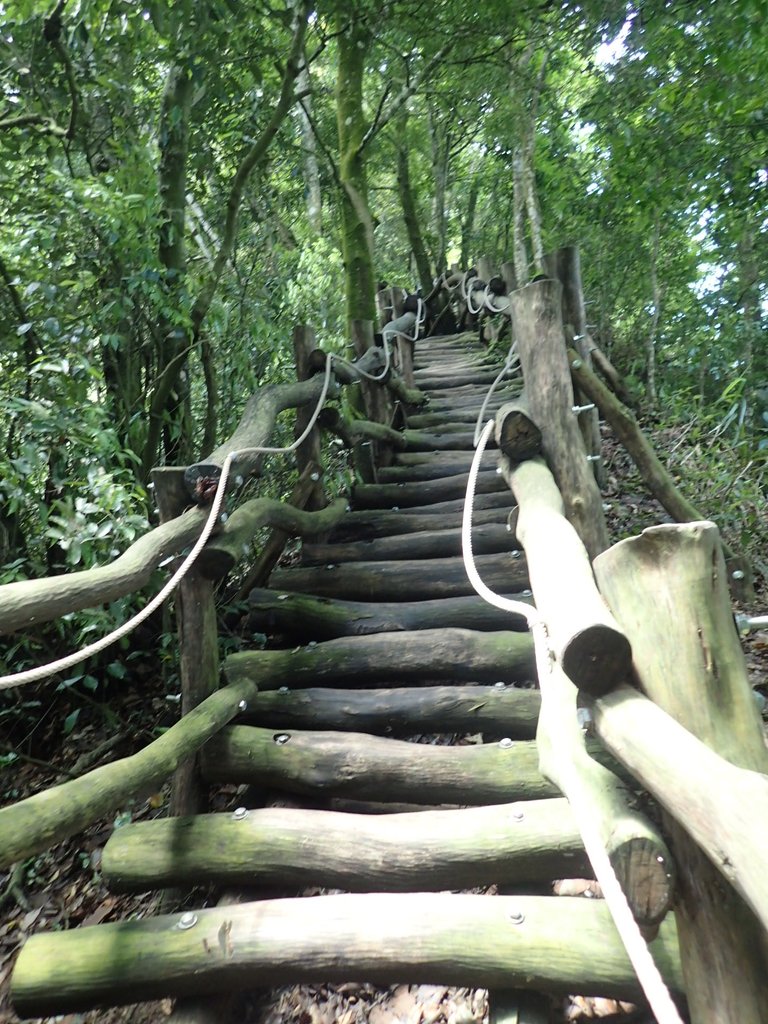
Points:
(402, 98)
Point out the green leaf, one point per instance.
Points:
(70, 721)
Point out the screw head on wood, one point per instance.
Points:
(239, 813)
(314, 476)
(281, 738)
(243, 705)
(500, 685)
(517, 814)
(282, 597)
(188, 920)
(737, 574)
(506, 743)
(516, 916)
(283, 689)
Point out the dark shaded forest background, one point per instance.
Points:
(182, 183)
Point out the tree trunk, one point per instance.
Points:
(653, 329)
(408, 203)
(356, 220)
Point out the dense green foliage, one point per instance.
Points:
(168, 210)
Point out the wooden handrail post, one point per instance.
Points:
(309, 451)
(668, 590)
(564, 265)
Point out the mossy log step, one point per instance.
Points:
(427, 654)
(546, 943)
(404, 581)
(486, 540)
(320, 618)
(361, 526)
(435, 469)
(428, 492)
(365, 767)
(421, 851)
(456, 436)
(460, 379)
(439, 420)
(496, 711)
(429, 458)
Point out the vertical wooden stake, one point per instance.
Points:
(309, 451)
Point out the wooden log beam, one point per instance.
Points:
(545, 943)
(233, 542)
(318, 618)
(40, 821)
(421, 655)
(722, 807)
(638, 854)
(517, 436)
(32, 602)
(352, 432)
(583, 634)
(309, 451)
(366, 767)
(404, 581)
(538, 328)
(662, 486)
(405, 495)
(668, 588)
(361, 526)
(436, 469)
(424, 851)
(486, 540)
(495, 711)
(456, 437)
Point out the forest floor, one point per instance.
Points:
(63, 888)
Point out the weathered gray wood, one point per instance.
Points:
(495, 711)
(418, 656)
(637, 852)
(517, 436)
(544, 943)
(406, 495)
(404, 581)
(372, 768)
(668, 587)
(359, 526)
(436, 468)
(564, 265)
(422, 851)
(538, 328)
(425, 544)
(584, 636)
(722, 807)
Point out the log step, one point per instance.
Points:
(405, 495)
(495, 711)
(368, 525)
(404, 581)
(420, 656)
(318, 618)
(486, 540)
(364, 767)
(422, 851)
(555, 944)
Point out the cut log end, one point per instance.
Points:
(597, 659)
(647, 874)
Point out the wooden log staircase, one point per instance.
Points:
(400, 741)
(400, 725)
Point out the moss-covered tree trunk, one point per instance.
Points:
(408, 203)
(356, 221)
